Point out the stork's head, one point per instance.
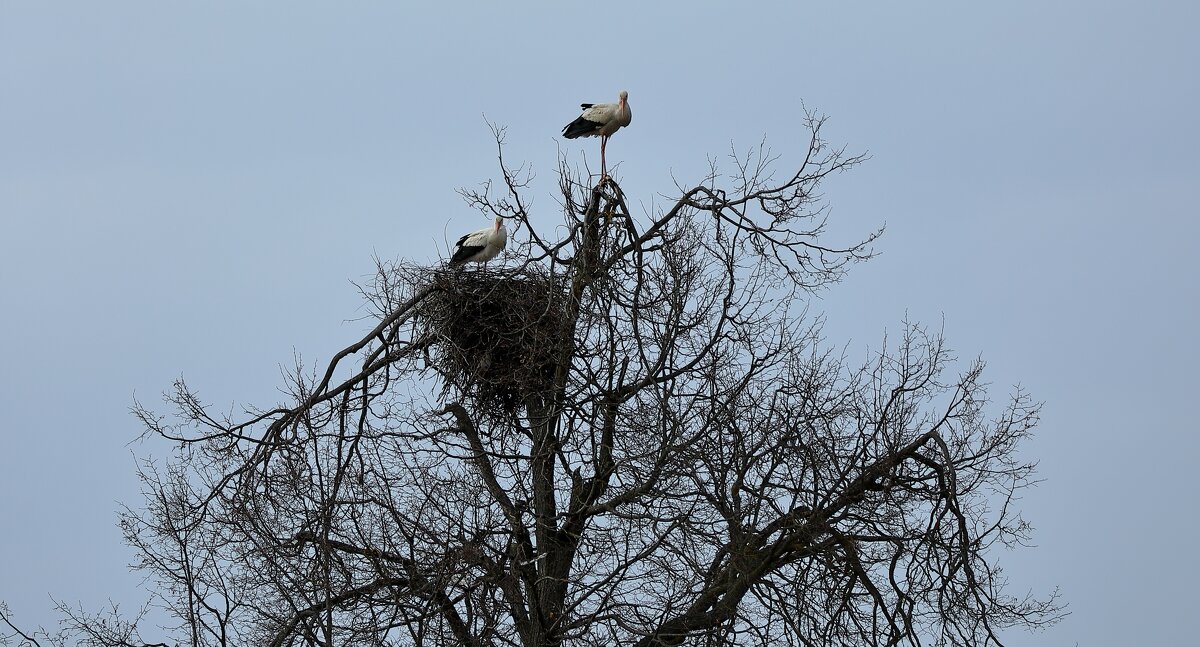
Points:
(499, 221)
(624, 96)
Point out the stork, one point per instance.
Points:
(480, 246)
(600, 120)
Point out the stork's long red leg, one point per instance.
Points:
(603, 168)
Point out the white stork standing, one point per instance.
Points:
(602, 120)
(480, 246)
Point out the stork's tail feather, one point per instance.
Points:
(580, 128)
(464, 254)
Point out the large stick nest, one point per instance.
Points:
(499, 334)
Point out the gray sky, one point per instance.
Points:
(190, 190)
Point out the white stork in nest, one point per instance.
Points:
(480, 246)
(600, 120)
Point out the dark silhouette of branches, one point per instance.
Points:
(631, 434)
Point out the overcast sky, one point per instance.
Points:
(191, 188)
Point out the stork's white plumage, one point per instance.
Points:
(480, 246)
(601, 120)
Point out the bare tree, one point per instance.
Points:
(635, 434)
